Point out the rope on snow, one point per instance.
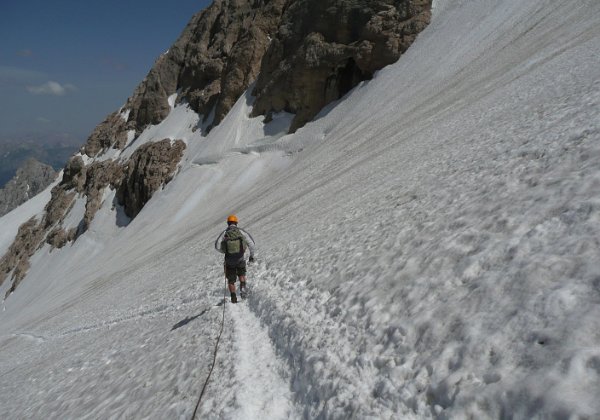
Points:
(214, 354)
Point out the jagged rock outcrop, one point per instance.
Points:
(150, 167)
(31, 178)
(99, 176)
(16, 259)
(59, 205)
(224, 56)
(59, 236)
(213, 62)
(73, 174)
(325, 48)
(136, 180)
(112, 132)
(32, 235)
(303, 54)
(90, 181)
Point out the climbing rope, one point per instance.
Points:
(214, 354)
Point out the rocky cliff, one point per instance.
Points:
(31, 178)
(323, 49)
(134, 181)
(301, 55)
(150, 167)
(213, 62)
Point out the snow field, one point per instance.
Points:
(117, 379)
(464, 275)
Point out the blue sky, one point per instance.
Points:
(66, 64)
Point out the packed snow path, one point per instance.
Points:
(178, 327)
(263, 381)
(250, 381)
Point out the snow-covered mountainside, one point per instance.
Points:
(428, 247)
(298, 56)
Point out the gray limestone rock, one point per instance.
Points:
(148, 169)
(99, 175)
(211, 64)
(110, 133)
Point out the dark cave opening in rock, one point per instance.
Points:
(349, 76)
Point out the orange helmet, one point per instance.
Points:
(232, 219)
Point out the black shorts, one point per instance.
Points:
(232, 272)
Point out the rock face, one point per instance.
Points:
(226, 50)
(213, 62)
(16, 260)
(150, 167)
(31, 178)
(325, 48)
(98, 177)
(302, 54)
(136, 180)
(112, 132)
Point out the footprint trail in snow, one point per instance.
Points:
(262, 390)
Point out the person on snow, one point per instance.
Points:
(233, 242)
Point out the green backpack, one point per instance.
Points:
(233, 244)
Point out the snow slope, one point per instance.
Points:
(428, 248)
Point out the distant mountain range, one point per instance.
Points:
(31, 178)
(53, 151)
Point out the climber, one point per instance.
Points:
(233, 242)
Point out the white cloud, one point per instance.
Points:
(51, 88)
(43, 120)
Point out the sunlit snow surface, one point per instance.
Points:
(428, 248)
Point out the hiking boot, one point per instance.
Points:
(233, 298)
